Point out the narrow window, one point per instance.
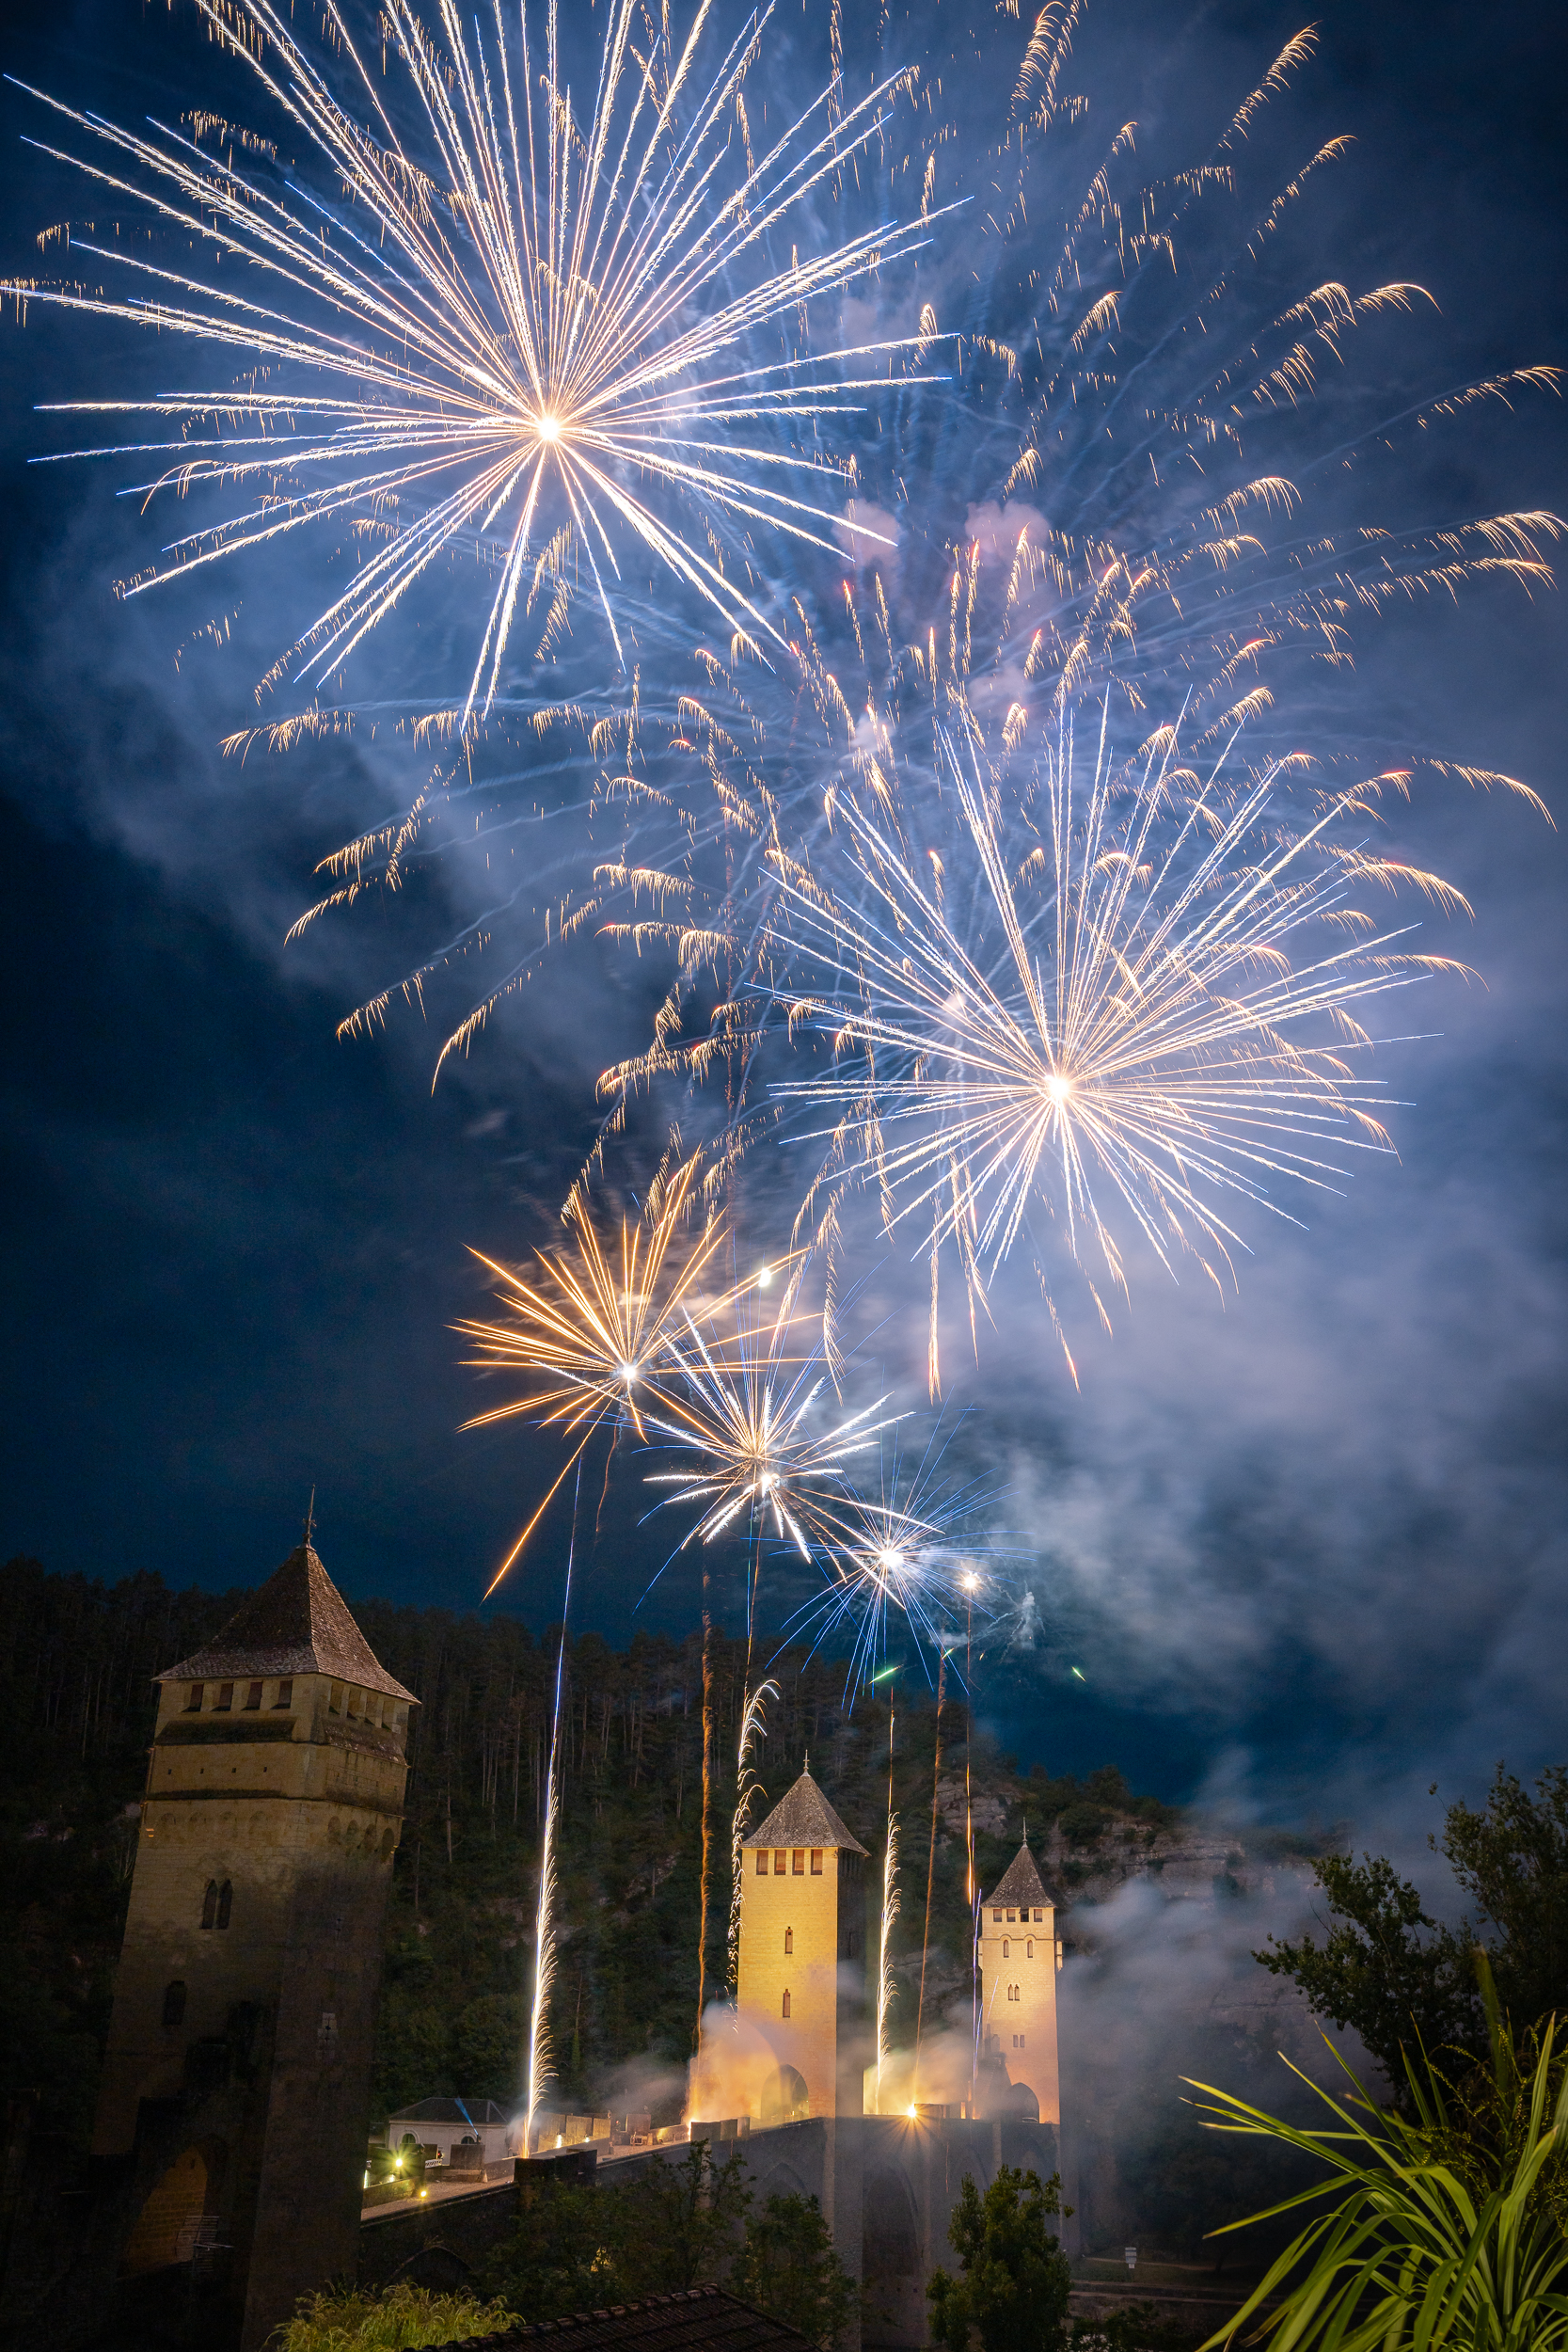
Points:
(253, 1697)
(996, 1915)
(816, 1862)
(226, 1695)
(762, 1862)
(1006, 1949)
(785, 2011)
(789, 1939)
(1010, 1918)
(335, 1699)
(174, 2003)
(1029, 1949)
(797, 1861)
(1020, 2041)
(226, 1902)
(210, 1903)
(779, 1860)
(1040, 1917)
(193, 1698)
(285, 1692)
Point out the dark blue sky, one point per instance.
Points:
(1310, 1551)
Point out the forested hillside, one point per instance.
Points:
(76, 1662)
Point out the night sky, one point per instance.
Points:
(1307, 1550)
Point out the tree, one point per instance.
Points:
(1512, 1860)
(1015, 2281)
(787, 2267)
(1447, 2231)
(678, 2225)
(1383, 1966)
(1392, 1973)
(574, 2249)
(559, 2256)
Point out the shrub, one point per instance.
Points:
(340, 2319)
(1447, 2234)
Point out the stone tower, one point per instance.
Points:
(803, 1954)
(1018, 1960)
(236, 2083)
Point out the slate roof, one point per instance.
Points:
(297, 1622)
(701, 2319)
(1022, 1885)
(804, 1817)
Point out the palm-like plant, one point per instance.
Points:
(1450, 2230)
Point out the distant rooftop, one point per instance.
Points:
(297, 1622)
(450, 2112)
(1022, 1885)
(701, 2319)
(804, 1817)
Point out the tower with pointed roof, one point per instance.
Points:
(1019, 1955)
(803, 1954)
(237, 2079)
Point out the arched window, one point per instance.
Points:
(210, 1903)
(226, 1902)
(1029, 1949)
(785, 2010)
(789, 1939)
(1006, 1949)
(174, 2003)
(1020, 2041)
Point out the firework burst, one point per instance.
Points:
(1116, 489)
(599, 1323)
(1103, 996)
(744, 1420)
(494, 330)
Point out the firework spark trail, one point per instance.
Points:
(890, 1912)
(543, 312)
(705, 1876)
(539, 2054)
(754, 1727)
(970, 1583)
(930, 1882)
